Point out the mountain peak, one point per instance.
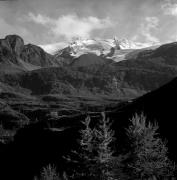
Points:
(15, 42)
(13, 37)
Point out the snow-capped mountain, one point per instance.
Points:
(95, 45)
(110, 48)
(126, 44)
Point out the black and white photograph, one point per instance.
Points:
(88, 89)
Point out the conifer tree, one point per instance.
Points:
(83, 158)
(95, 153)
(87, 146)
(87, 137)
(104, 136)
(50, 173)
(148, 153)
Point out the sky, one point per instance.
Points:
(51, 21)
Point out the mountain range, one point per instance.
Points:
(31, 79)
(44, 97)
(141, 70)
(110, 48)
(80, 45)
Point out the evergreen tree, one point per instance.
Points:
(95, 155)
(87, 137)
(104, 137)
(50, 173)
(148, 154)
(87, 147)
(82, 160)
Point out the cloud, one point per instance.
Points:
(169, 7)
(71, 25)
(39, 19)
(146, 29)
(150, 24)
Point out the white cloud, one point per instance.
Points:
(151, 23)
(39, 19)
(70, 26)
(169, 7)
(146, 29)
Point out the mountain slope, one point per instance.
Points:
(109, 79)
(16, 56)
(159, 106)
(86, 60)
(163, 55)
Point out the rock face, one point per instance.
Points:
(15, 54)
(10, 49)
(15, 43)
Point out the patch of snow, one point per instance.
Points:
(53, 48)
